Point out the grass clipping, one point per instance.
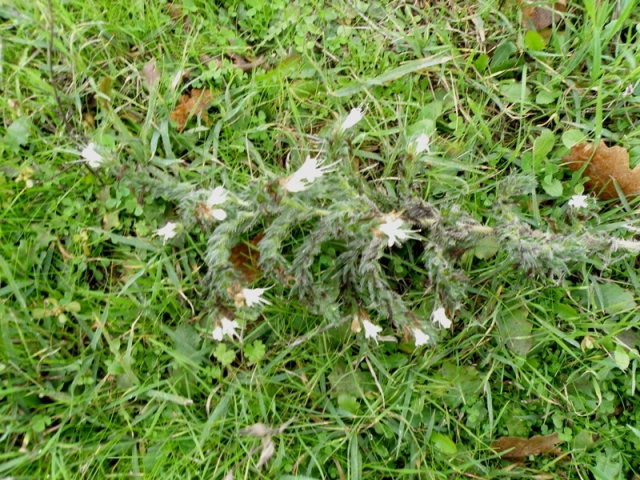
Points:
(607, 167)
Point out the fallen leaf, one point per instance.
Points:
(150, 73)
(194, 103)
(606, 165)
(177, 14)
(268, 449)
(244, 65)
(245, 257)
(540, 17)
(517, 448)
(256, 430)
(261, 430)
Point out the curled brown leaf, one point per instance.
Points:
(194, 103)
(517, 448)
(604, 166)
(540, 17)
(245, 258)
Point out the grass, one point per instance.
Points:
(107, 363)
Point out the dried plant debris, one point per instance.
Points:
(604, 167)
(245, 258)
(150, 73)
(537, 17)
(239, 61)
(194, 103)
(267, 447)
(518, 449)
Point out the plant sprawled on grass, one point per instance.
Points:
(323, 211)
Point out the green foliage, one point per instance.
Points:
(107, 360)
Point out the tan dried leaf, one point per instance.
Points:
(244, 65)
(540, 17)
(194, 103)
(268, 449)
(518, 448)
(256, 430)
(606, 166)
(150, 73)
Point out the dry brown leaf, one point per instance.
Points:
(606, 165)
(150, 73)
(244, 65)
(541, 17)
(177, 14)
(192, 104)
(245, 257)
(521, 448)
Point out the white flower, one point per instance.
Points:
(253, 296)
(226, 327)
(371, 330)
(391, 226)
(579, 201)
(354, 117)
(217, 197)
(421, 337)
(218, 334)
(218, 214)
(93, 158)
(167, 232)
(295, 184)
(423, 144)
(440, 316)
(310, 171)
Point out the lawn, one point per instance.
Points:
(319, 239)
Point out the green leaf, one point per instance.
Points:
(621, 358)
(543, 145)
(455, 384)
(534, 41)
(606, 468)
(40, 422)
(186, 342)
(584, 440)
(302, 89)
(487, 247)
(565, 312)
(18, 134)
(443, 443)
(348, 403)
(544, 98)
(572, 137)
(504, 57)
(481, 62)
(224, 356)
(344, 379)
(512, 91)
(515, 330)
(255, 352)
(553, 187)
(73, 307)
(614, 299)
(426, 126)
